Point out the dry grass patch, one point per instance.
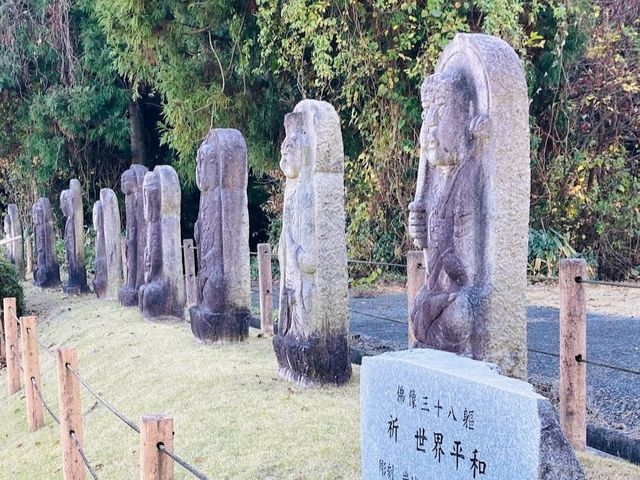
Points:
(234, 418)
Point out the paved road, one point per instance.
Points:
(611, 340)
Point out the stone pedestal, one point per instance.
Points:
(47, 271)
(222, 236)
(131, 185)
(311, 344)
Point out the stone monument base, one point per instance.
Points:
(74, 289)
(128, 297)
(211, 327)
(313, 360)
(46, 279)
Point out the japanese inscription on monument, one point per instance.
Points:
(428, 414)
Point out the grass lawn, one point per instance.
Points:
(234, 418)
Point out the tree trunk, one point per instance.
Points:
(138, 146)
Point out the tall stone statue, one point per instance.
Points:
(8, 235)
(471, 209)
(17, 251)
(47, 271)
(161, 297)
(311, 344)
(222, 235)
(108, 261)
(71, 205)
(100, 260)
(13, 232)
(131, 185)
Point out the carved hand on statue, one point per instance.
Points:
(306, 261)
(418, 223)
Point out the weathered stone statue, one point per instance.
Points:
(16, 247)
(222, 236)
(7, 236)
(100, 261)
(108, 261)
(47, 271)
(161, 297)
(311, 344)
(71, 205)
(131, 185)
(471, 208)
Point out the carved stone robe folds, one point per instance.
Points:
(311, 344)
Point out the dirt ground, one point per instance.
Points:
(624, 302)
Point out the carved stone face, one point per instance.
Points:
(152, 197)
(65, 203)
(38, 214)
(7, 226)
(128, 182)
(296, 144)
(445, 120)
(207, 176)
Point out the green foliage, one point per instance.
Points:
(66, 86)
(546, 249)
(10, 285)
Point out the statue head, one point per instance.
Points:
(128, 182)
(98, 217)
(448, 110)
(7, 225)
(296, 147)
(152, 193)
(38, 213)
(207, 175)
(66, 203)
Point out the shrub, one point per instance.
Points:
(10, 285)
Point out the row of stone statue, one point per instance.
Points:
(470, 215)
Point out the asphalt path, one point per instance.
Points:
(614, 396)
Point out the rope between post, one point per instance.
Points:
(609, 284)
(82, 454)
(189, 468)
(44, 404)
(106, 404)
(378, 317)
(14, 315)
(589, 362)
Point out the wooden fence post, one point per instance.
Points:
(31, 370)
(190, 272)
(154, 430)
(266, 288)
(573, 348)
(416, 275)
(70, 414)
(11, 345)
(29, 255)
